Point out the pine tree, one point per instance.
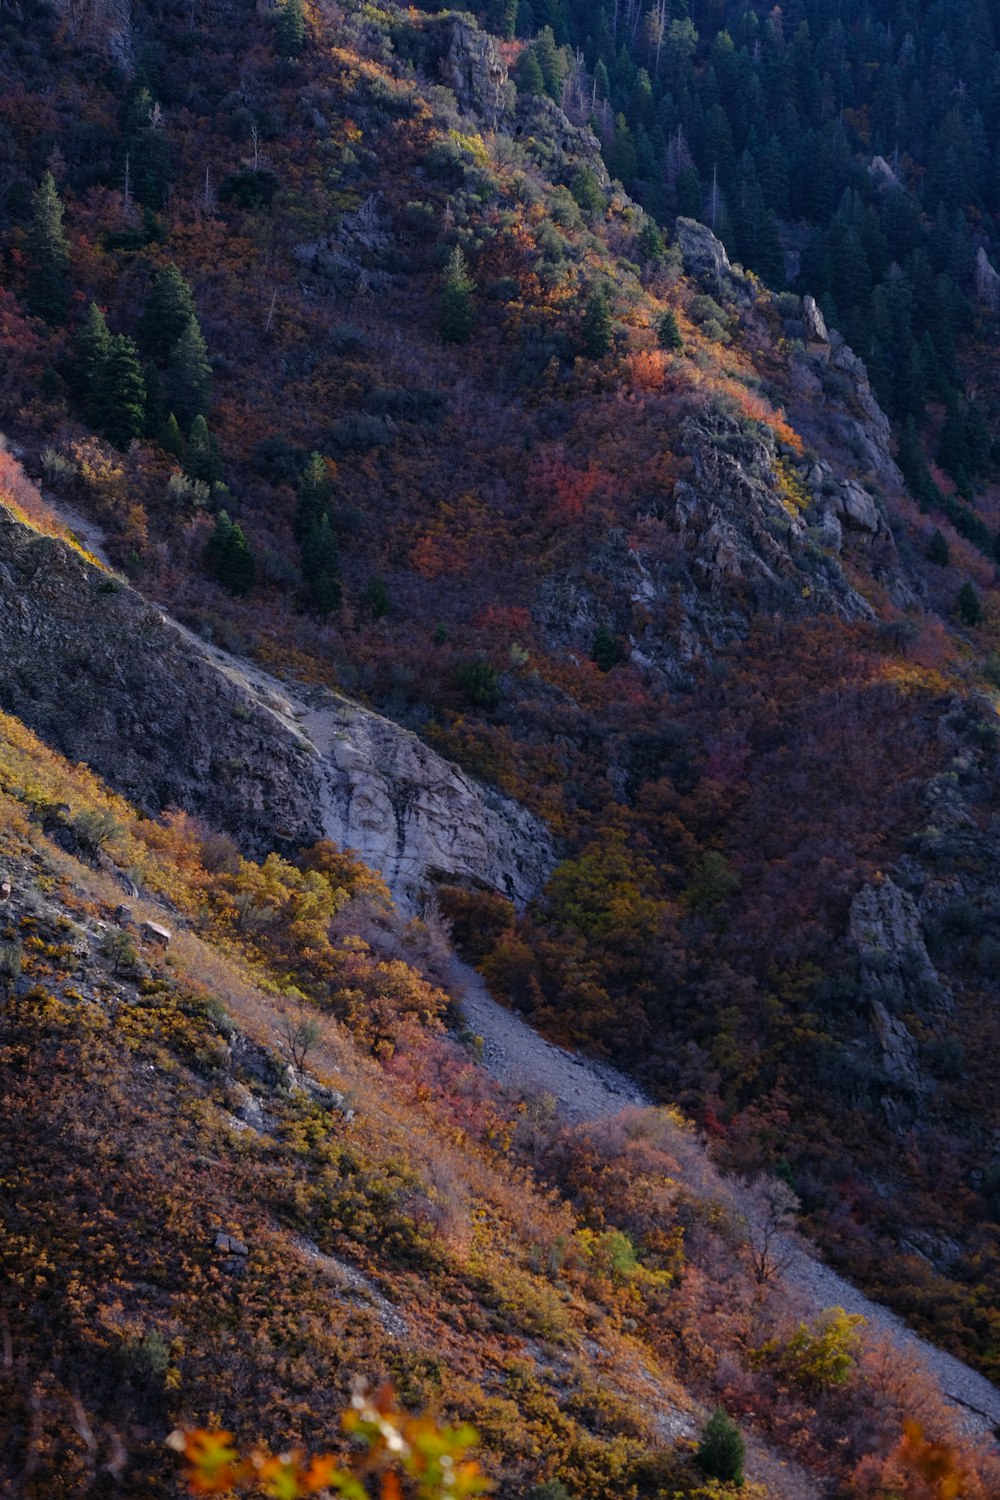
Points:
(668, 334)
(597, 325)
(314, 496)
(228, 558)
(48, 254)
(588, 193)
(321, 567)
(168, 310)
(969, 608)
(88, 355)
(120, 402)
(169, 436)
(650, 242)
(528, 75)
(938, 550)
(550, 62)
(290, 31)
(722, 1450)
(456, 313)
(202, 458)
(189, 374)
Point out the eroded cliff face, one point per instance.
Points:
(107, 679)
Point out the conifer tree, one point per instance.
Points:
(290, 31)
(119, 410)
(321, 567)
(228, 558)
(189, 374)
(969, 608)
(314, 496)
(168, 310)
(456, 310)
(169, 436)
(722, 1450)
(938, 550)
(528, 75)
(202, 459)
(48, 254)
(597, 325)
(650, 242)
(550, 62)
(668, 334)
(88, 354)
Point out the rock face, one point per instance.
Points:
(706, 260)
(987, 282)
(169, 721)
(730, 545)
(473, 69)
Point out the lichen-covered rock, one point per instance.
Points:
(559, 146)
(814, 322)
(169, 721)
(987, 282)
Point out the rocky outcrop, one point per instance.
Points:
(987, 283)
(705, 260)
(896, 969)
(733, 545)
(105, 678)
(475, 72)
(559, 146)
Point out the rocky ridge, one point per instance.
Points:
(170, 721)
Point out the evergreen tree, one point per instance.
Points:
(938, 550)
(969, 608)
(951, 454)
(722, 1450)
(202, 458)
(550, 62)
(290, 30)
(321, 567)
(48, 254)
(587, 191)
(605, 652)
(169, 436)
(169, 309)
(456, 312)
(650, 242)
(119, 409)
(668, 335)
(528, 75)
(88, 355)
(597, 324)
(188, 374)
(228, 558)
(314, 496)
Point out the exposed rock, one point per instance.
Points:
(556, 143)
(152, 932)
(857, 508)
(706, 260)
(987, 282)
(882, 175)
(899, 1050)
(172, 722)
(230, 1245)
(733, 547)
(814, 322)
(896, 969)
(475, 72)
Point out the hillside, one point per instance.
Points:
(453, 509)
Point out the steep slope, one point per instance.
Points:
(173, 722)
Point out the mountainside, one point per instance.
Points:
(469, 534)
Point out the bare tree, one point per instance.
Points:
(769, 1212)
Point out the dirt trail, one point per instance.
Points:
(516, 1055)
